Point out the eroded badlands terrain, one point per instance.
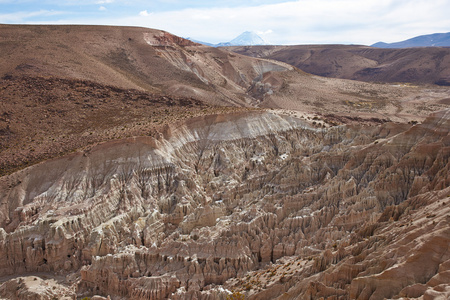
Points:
(254, 205)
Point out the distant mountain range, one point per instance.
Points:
(247, 38)
(429, 40)
(250, 38)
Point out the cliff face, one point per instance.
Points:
(257, 204)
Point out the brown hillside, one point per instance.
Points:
(413, 65)
(130, 57)
(159, 62)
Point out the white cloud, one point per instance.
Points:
(264, 32)
(201, 16)
(105, 1)
(144, 13)
(21, 17)
(102, 8)
(310, 21)
(297, 22)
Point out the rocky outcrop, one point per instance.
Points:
(253, 204)
(35, 288)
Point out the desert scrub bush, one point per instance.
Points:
(236, 296)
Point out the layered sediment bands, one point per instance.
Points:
(258, 203)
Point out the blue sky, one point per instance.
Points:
(277, 21)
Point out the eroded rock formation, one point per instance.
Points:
(253, 204)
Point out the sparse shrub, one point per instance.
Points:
(236, 296)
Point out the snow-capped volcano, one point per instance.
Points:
(248, 38)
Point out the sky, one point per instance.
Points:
(279, 22)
